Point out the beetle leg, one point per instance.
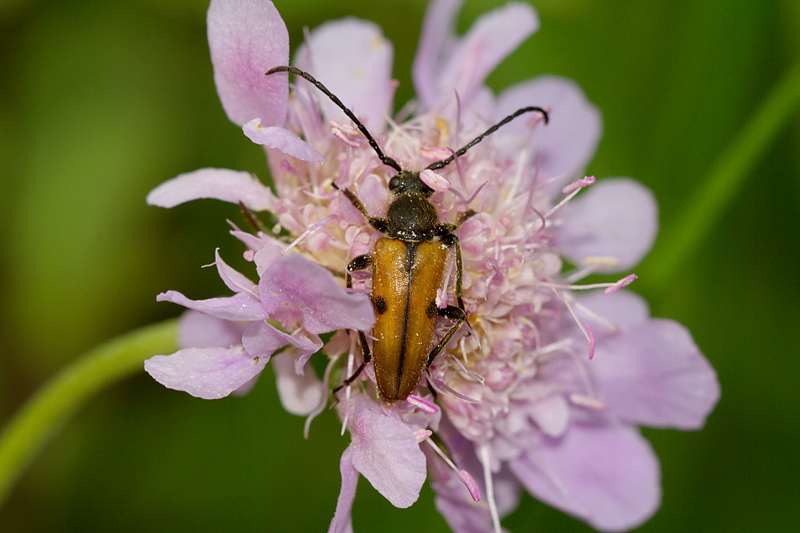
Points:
(366, 356)
(377, 223)
(451, 240)
(457, 314)
(359, 263)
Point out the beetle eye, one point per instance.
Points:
(394, 182)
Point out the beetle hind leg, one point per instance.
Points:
(366, 356)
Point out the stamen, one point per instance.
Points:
(422, 435)
(463, 370)
(567, 198)
(483, 457)
(475, 194)
(463, 475)
(350, 363)
(311, 228)
(587, 401)
(321, 407)
(423, 405)
(585, 329)
(609, 287)
(434, 180)
(624, 282)
(441, 388)
(435, 153)
(349, 136)
(579, 184)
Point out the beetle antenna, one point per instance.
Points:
(444, 162)
(386, 160)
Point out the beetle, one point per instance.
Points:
(408, 266)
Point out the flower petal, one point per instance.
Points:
(221, 184)
(353, 59)
(234, 280)
(551, 414)
(261, 339)
(343, 520)
(300, 394)
(198, 330)
(246, 40)
(655, 375)
(492, 37)
(568, 142)
(437, 39)
(283, 140)
(606, 475)
(624, 309)
(303, 285)
(615, 217)
(386, 452)
(208, 373)
(241, 306)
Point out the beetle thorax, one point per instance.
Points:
(412, 217)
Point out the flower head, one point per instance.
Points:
(545, 388)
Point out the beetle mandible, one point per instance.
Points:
(408, 266)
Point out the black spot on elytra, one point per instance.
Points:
(380, 305)
(432, 310)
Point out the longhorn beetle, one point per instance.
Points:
(407, 267)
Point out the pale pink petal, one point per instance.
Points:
(605, 475)
(353, 59)
(492, 37)
(343, 520)
(246, 40)
(655, 375)
(226, 185)
(208, 373)
(623, 309)
(283, 140)
(386, 452)
(551, 414)
(299, 394)
(198, 330)
(615, 217)
(564, 147)
(241, 306)
(234, 280)
(436, 42)
(309, 288)
(262, 339)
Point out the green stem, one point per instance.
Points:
(725, 180)
(52, 405)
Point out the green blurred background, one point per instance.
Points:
(101, 101)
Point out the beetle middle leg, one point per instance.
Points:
(450, 239)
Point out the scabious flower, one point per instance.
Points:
(546, 387)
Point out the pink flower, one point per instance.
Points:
(546, 388)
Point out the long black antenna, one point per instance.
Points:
(444, 162)
(386, 160)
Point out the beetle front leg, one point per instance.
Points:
(377, 223)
